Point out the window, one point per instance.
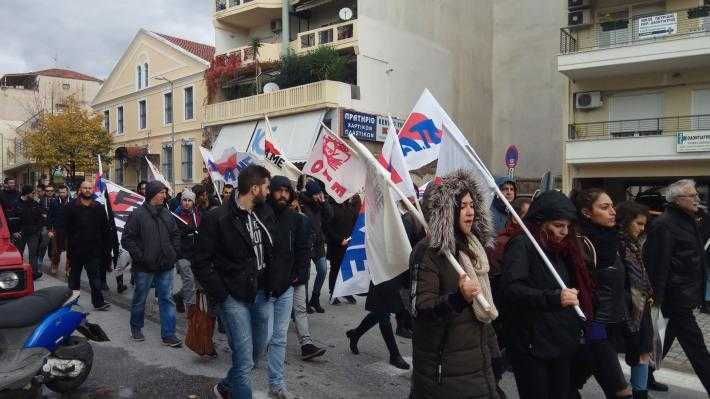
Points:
(189, 109)
(119, 171)
(106, 120)
(139, 75)
(187, 161)
(168, 108)
(145, 74)
(142, 109)
(65, 86)
(701, 109)
(167, 165)
(119, 120)
(636, 114)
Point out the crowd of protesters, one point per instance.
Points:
(249, 249)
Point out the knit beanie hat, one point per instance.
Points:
(188, 194)
(152, 189)
(313, 188)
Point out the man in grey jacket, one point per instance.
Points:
(153, 240)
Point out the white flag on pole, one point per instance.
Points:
(336, 164)
(265, 151)
(156, 175)
(392, 159)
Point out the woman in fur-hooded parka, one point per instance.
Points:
(451, 354)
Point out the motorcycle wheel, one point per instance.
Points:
(75, 348)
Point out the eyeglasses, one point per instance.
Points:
(690, 196)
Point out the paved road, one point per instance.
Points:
(125, 369)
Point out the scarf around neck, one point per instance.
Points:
(478, 273)
(605, 240)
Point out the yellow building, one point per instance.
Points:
(153, 104)
(638, 100)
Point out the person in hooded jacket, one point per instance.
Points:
(604, 331)
(499, 212)
(188, 226)
(452, 332)
(542, 329)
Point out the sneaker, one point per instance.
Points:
(137, 335)
(334, 301)
(310, 351)
(172, 342)
(282, 393)
(104, 307)
(220, 393)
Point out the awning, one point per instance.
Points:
(294, 135)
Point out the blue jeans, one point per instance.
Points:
(163, 290)
(321, 270)
(277, 343)
(248, 331)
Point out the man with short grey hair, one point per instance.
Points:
(676, 264)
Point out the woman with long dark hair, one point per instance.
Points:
(452, 331)
(542, 329)
(604, 328)
(631, 219)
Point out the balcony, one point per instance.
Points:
(340, 36)
(267, 52)
(640, 140)
(312, 96)
(247, 14)
(637, 45)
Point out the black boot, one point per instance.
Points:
(315, 304)
(353, 337)
(398, 362)
(654, 385)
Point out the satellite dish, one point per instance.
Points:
(271, 87)
(345, 14)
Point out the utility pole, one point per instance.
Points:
(172, 127)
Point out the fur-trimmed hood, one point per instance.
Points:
(439, 209)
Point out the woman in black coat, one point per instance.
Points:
(542, 330)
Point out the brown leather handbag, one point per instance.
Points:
(200, 327)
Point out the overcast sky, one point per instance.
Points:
(89, 36)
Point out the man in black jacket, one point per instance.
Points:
(28, 229)
(290, 260)
(318, 210)
(56, 225)
(88, 242)
(232, 263)
(337, 233)
(153, 240)
(676, 264)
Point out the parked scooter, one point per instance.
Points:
(37, 344)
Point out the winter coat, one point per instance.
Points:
(301, 276)
(451, 355)
(56, 215)
(152, 238)
(30, 219)
(88, 231)
(225, 263)
(320, 215)
(188, 226)
(9, 200)
(675, 260)
(290, 253)
(340, 227)
(535, 321)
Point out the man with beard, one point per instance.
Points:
(318, 210)
(88, 242)
(290, 263)
(55, 223)
(232, 263)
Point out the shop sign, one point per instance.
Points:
(693, 141)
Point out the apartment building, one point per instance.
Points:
(638, 98)
(490, 64)
(153, 103)
(22, 97)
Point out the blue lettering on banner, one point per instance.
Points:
(359, 124)
(427, 132)
(355, 256)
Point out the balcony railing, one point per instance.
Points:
(325, 93)
(339, 35)
(224, 4)
(267, 52)
(636, 30)
(638, 127)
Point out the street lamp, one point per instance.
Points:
(172, 126)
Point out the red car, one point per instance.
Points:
(15, 273)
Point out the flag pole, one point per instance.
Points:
(489, 178)
(362, 150)
(393, 130)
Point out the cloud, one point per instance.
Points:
(90, 36)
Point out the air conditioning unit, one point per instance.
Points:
(589, 100)
(276, 26)
(579, 18)
(575, 4)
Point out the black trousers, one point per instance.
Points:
(682, 325)
(93, 271)
(600, 359)
(383, 319)
(541, 378)
(335, 259)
